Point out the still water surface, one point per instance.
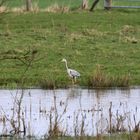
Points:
(73, 109)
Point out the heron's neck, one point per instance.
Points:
(66, 65)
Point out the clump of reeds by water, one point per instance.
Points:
(100, 79)
(137, 136)
(16, 121)
(47, 84)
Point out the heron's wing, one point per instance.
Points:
(74, 73)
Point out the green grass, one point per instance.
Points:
(46, 3)
(85, 39)
(72, 4)
(125, 3)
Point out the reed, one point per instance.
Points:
(100, 80)
(47, 84)
(55, 8)
(116, 123)
(16, 119)
(55, 119)
(137, 136)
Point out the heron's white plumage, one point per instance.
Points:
(71, 72)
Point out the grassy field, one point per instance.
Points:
(72, 4)
(110, 39)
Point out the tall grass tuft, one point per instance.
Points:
(47, 84)
(18, 10)
(57, 8)
(137, 136)
(127, 34)
(99, 79)
(3, 9)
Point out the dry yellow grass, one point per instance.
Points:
(56, 8)
(3, 9)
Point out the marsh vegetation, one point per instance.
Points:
(102, 45)
(70, 113)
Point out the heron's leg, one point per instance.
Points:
(75, 79)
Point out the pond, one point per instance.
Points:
(72, 111)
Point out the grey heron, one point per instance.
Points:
(71, 72)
